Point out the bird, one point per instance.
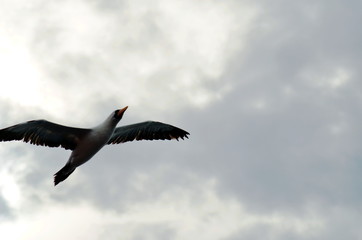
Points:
(86, 142)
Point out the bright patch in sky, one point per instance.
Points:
(9, 189)
(19, 75)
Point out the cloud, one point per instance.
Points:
(178, 212)
(269, 92)
(119, 54)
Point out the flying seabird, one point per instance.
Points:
(85, 142)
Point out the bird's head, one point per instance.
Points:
(118, 114)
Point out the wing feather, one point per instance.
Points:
(149, 130)
(44, 133)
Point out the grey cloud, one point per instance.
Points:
(5, 210)
(141, 231)
(292, 132)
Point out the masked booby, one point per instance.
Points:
(85, 142)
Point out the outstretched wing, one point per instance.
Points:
(149, 130)
(44, 133)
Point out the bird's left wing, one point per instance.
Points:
(44, 133)
(149, 130)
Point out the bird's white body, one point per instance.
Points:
(92, 142)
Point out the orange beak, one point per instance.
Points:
(121, 111)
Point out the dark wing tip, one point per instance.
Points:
(179, 133)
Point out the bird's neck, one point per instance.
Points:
(109, 124)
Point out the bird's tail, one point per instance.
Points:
(63, 173)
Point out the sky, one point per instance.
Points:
(270, 92)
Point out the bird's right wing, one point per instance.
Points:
(149, 130)
(44, 133)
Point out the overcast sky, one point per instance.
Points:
(270, 92)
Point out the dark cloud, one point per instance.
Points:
(286, 153)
